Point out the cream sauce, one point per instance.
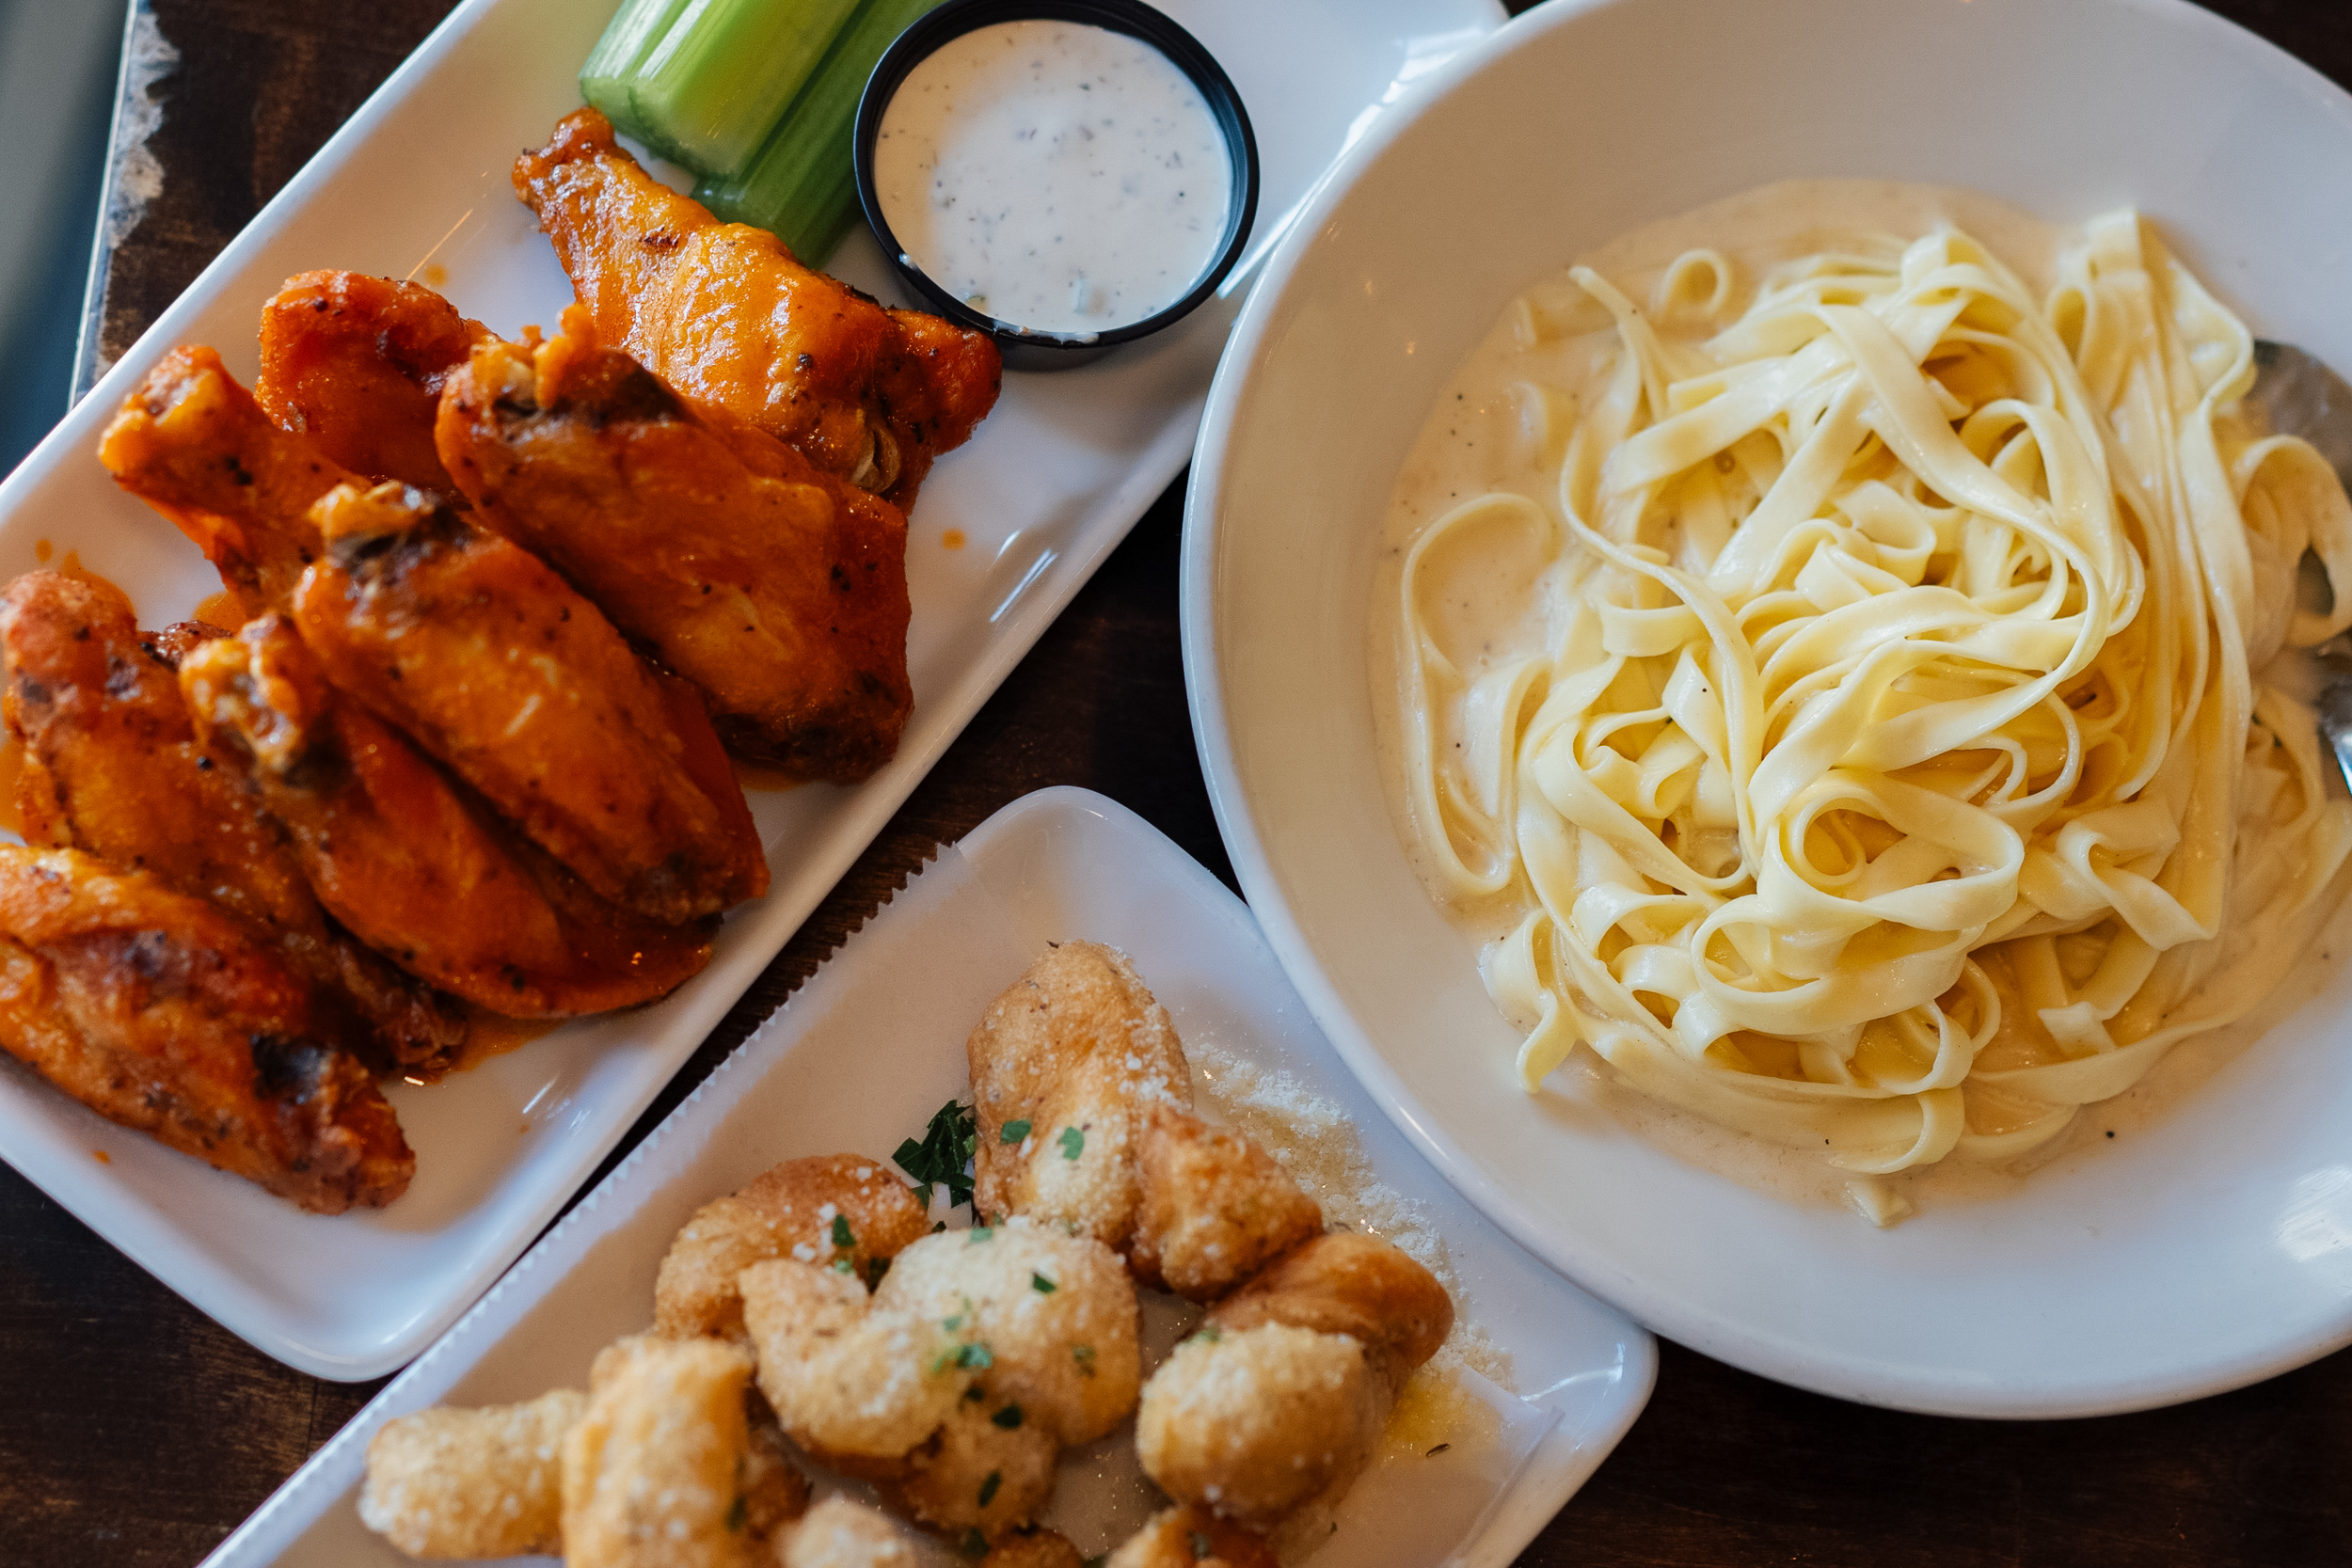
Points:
(1058, 176)
(1499, 426)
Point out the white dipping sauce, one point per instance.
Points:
(1056, 175)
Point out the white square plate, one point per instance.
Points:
(417, 183)
(861, 1056)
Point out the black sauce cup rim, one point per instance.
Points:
(956, 18)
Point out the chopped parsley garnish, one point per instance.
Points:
(1210, 1334)
(1008, 1417)
(990, 1487)
(1073, 1143)
(842, 1265)
(1041, 1285)
(975, 1358)
(939, 1159)
(841, 1236)
(1084, 1357)
(978, 1234)
(1201, 1546)
(1013, 1131)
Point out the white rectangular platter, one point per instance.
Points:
(416, 184)
(861, 1056)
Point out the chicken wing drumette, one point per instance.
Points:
(778, 590)
(166, 1014)
(112, 766)
(726, 315)
(195, 446)
(356, 364)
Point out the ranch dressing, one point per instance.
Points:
(1058, 176)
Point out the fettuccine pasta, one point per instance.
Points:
(1871, 741)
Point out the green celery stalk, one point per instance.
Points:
(801, 185)
(635, 28)
(723, 73)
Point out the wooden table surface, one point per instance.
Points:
(137, 1434)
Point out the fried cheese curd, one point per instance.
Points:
(1065, 1063)
(472, 1484)
(1214, 1208)
(1282, 1396)
(659, 1470)
(980, 1355)
(1083, 1102)
(843, 1212)
(1192, 1537)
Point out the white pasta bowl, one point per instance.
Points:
(2208, 1244)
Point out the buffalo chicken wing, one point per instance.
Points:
(166, 1014)
(356, 364)
(405, 859)
(726, 315)
(494, 665)
(112, 766)
(779, 591)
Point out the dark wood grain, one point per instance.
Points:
(135, 1434)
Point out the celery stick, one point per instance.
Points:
(723, 73)
(802, 185)
(635, 28)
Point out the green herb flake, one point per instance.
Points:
(1084, 1357)
(975, 1394)
(1008, 1417)
(975, 1544)
(1041, 1285)
(1201, 1546)
(978, 1234)
(1073, 1143)
(990, 1487)
(951, 1325)
(1013, 1131)
(841, 1235)
(1210, 1334)
(938, 1157)
(739, 1512)
(842, 1265)
(975, 1358)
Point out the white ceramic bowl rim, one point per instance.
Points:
(1259, 339)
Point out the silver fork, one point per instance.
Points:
(2303, 397)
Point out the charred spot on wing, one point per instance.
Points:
(289, 1069)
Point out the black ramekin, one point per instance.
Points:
(1025, 349)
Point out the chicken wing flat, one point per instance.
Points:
(500, 670)
(778, 590)
(397, 852)
(112, 767)
(726, 315)
(356, 363)
(195, 446)
(162, 1013)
